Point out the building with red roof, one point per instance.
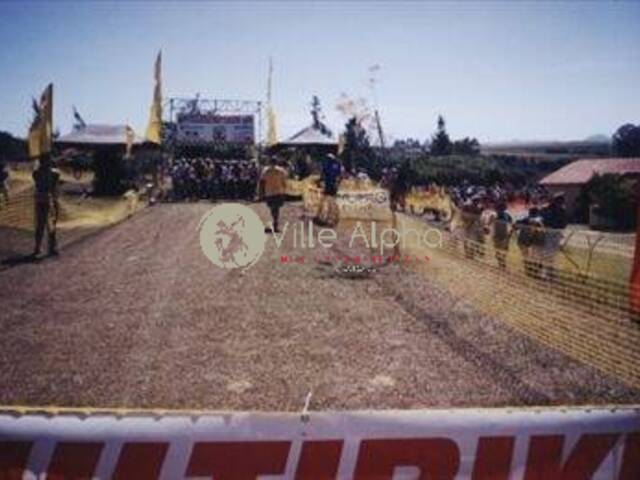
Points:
(572, 178)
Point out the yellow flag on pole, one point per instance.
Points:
(40, 131)
(272, 133)
(154, 127)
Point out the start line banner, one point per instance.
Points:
(496, 444)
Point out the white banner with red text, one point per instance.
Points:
(529, 444)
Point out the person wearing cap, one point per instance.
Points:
(46, 205)
(272, 188)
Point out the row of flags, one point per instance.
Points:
(41, 129)
(40, 136)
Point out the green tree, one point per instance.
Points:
(466, 146)
(12, 148)
(357, 153)
(626, 141)
(440, 142)
(614, 197)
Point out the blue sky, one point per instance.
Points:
(496, 71)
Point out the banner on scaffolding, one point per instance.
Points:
(358, 204)
(601, 443)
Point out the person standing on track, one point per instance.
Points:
(272, 188)
(331, 170)
(47, 207)
(328, 213)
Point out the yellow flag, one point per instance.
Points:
(272, 133)
(40, 131)
(154, 127)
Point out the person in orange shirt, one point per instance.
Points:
(272, 189)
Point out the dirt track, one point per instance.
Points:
(137, 317)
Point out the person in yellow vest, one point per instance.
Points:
(46, 204)
(272, 189)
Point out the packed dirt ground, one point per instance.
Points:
(136, 316)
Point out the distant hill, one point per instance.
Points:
(598, 138)
(595, 146)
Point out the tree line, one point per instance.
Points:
(448, 162)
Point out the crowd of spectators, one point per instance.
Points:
(537, 230)
(206, 178)
(498, 213)
(492, 196)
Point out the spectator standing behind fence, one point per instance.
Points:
(46, 204)
(555, 220)
(530, 241)
(399, 183)
(272, 188)
(471, 217)
(502, 229)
